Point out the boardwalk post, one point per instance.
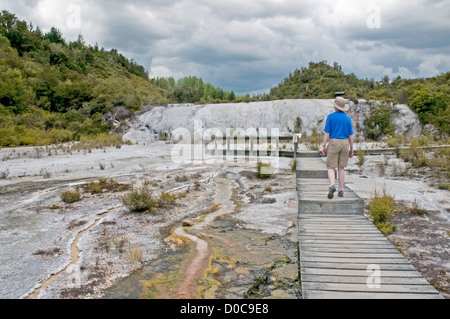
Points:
(295, 141)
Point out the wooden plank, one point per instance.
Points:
(357, 287)
(340, 233)
(358, 272)
(336, 241)
(361, 266)
(350, 239)
(329, 217)
(354, 249)
(353, 234)
(363, 279)
(336, 225)
(318, 294)
(339, 236)
(343, 260)
(375, 254)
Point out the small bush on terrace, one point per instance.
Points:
(143, 201)
(381, 208)
(71, 196)
(140, 201)
(264, 170)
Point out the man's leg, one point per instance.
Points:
(332, 176)
(332, 163)
(341, 176)
(343, 162)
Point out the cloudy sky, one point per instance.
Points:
(250, 46)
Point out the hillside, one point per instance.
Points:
(429, 98)
(55, 91)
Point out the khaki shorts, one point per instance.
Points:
(337, 153)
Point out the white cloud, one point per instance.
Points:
(252, 45)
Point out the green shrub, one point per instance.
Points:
(264, 170)
(394, 142)
(381, 208)
(294, 166)
(23, 136)
(95, 187)
(101, 140)
(415, 155)
(444, 186)
(416, 210)
(140, 201)
(71, 196)
(166, 200)
(361, 157)
(379, 122)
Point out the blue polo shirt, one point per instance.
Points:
(339, 125)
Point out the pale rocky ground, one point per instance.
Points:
(96, 248)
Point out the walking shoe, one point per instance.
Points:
(331, 191)
(341, 193)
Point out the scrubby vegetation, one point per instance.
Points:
(378, 123)
(71, 196)
(142, 200)
(192, 89)
(381, 207)
(264, 170)
(52, 91)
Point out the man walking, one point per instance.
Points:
(339, 130)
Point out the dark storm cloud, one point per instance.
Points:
(252, 45)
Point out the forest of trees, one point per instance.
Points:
(53, 90)
(192, 89)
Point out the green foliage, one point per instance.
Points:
(71, 196)
(414, 154)
(264, 170)
(49, 86)
(430, 100)
(293, 166)
(193, 90)
(166, 200)
(322, 81)
(379, 122)
(140, 200)
(361, 157)
(143, 201)
(381, 208)
(298, 125)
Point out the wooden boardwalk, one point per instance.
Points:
(342, 254)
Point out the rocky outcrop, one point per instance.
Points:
(282, 115)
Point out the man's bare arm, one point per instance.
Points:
(324, 144)
(351, 153)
